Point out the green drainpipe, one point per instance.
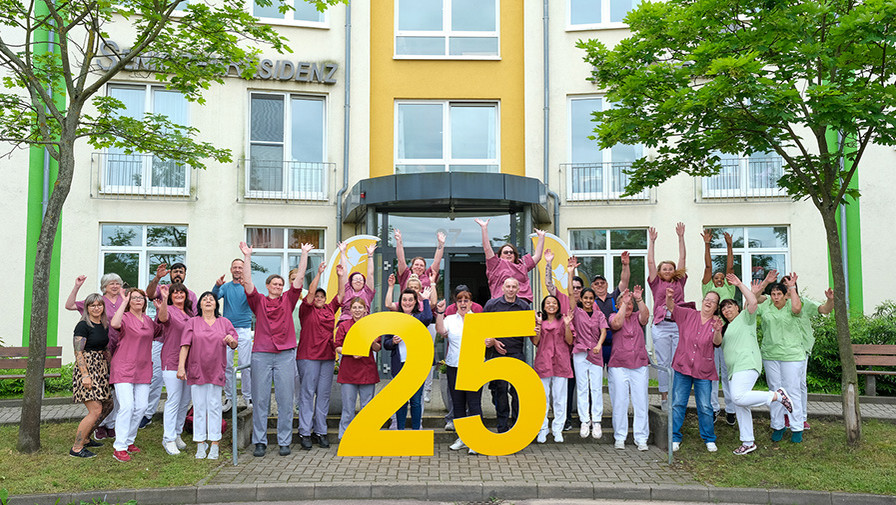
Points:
(852, 245)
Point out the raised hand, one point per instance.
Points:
(679, 229)
(481, 222)
(245, 249)
(340, 270)
(572, 264)
(441, 306)
(441, 237)
(829, 294)
(370, 249)
(158, 304)
(651, 233)
(538, 319)
(568, 318)
(341, 246)
(717, 323)
(427, 291)
(626, 296)
(306, 248)
(321, 267)
(733, 280)
(625, 259)
(728, 238)
(391, 280)
(771, 276)
(163, 291)
(540, 233)
(638, 293)
(125, 297)
(549, 256)
(670, 294)
(79, 280)
(220, 281)
(707, 236)
(161, 270)
(791, 280)
(397, 236)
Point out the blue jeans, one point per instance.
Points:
(681, 390)
(416, 411)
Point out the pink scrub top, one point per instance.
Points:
(354, 370)
(658, 288)
(695, 354)
(207, 359)
(172, 334)
(275, 330)
(132, 362)
(497, 270)
(406, 276)
(629, 348)
(587, 333)
(316, 338)
(552, 355)
(350, 294)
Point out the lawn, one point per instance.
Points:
(52, 470)
(821, 462)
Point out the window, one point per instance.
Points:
(278, 250)
(753, 176)
(585, 14)
(303, 13)
(756, 250)
(145, 174)
(594, 173)
(446, 136)
(458, 29)
(600, 252)
(287, 147)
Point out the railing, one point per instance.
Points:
(139, 176)
(743, 179)
(595, 182)
(286, 181)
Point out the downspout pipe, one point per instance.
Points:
(347, 108)
(547, 119)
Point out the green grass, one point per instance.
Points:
(821, 462)
(52, 470)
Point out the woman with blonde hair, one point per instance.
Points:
(90, 378)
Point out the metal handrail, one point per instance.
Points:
(233, 430)
(671, 373)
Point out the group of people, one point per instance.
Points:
(188, 347)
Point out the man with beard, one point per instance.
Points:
(236, 309)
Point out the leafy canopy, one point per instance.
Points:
(751, 76)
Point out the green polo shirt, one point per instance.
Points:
(740, 346)
(810, 309)
(726, 291)
(782, 333)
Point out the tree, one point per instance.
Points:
(49, 98)
(753, 77)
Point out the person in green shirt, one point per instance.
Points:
(744, 363)
(718, 283)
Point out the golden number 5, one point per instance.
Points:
(364, 436)
(473, 372)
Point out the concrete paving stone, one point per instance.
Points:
(509, 490)
(284, 491)
(40, 499)
(793, 497)
(679, 493)
(400, 490)
(616, 491)
(738, 495)
(577, 490)
(454, 491)
(166, 496)
(225, 494)
(342, 490)
(861, 498)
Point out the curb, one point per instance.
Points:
(442, 491)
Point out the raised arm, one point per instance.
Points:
(796, 305)
(707, 257)
(433, 289)
(370, 266)
(829, 302)
(651, 260)
(539, 246)
(717, 325)
(340, 282)
(567, 323)
(682, 256)
(536, 338)
(549, 272)
(440, 251)
(486, 243)
(626, 275)
(303, 266)
(389, 303)
(161, 272)
(759, 288)
(750, 302)
(643, 311)
(119, 314)
(670, 299)
(399, 253)
(73, 296)
(315, 282)
(440, 318)
(246, 278)
(729, 260)
(617, 319)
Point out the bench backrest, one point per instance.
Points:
(16, 358)
(874, 355)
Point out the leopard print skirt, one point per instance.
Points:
(98, 369)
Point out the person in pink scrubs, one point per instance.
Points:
(418, 264)
(358, 375)
(507, 263)
(201, 363)
(357, 285)
(628, 368)
(180, 310)
(131, 367)
(553, 364)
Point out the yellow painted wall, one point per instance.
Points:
(392, 79)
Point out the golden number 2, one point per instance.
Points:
(364, 436)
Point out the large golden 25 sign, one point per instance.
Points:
(364, 436)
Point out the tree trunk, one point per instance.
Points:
(852, 416)
(29, 427)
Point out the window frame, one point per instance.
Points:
(605, 13)
(746, 252)
(285, 252)
(289, 20)
(447, 33)
(745, 188)
(609, 253)
(447, 160)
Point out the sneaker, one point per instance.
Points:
(777, 435)
(201, 447)
(133, 449)
(805, 427)
(542, 437)
(213, 451)
(472, 452)
(322, 441)
(179, 443)
(567, 426)
(285, 450)
(642, 446)
(711, 447)
(558, 437)
(249, 403)
(305, 442)
(664, 405)
(110, 433)
(122, 456)
(619, 444)
(596, 431)
(427, 398)
(146, 421)
(731, 418)
(259, 451)
(171, 448)
(785, 400)
(227, 405)
(93, 443)
(457, 445)
(585, 430)
(744, 449)
(796, 437)
(100, 433)
(715, 416)
(83, 453)
(676, 446)
(449, 426)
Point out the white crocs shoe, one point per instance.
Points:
(171, 448)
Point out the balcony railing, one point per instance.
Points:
(591, 182)
(743, 179)
(139, 176)
(286, 180)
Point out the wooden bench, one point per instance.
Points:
(874, 355)
(16, 358)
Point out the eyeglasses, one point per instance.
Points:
(137, 297)
(95, 305)
(507, 251)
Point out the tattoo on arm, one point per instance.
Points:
(80, 343)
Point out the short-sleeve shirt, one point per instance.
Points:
(274, 327)
(405, 276)
(695, 354)
(194, 301)
(350, 294)
(658, 288)
(454, 325)
(809, 310)
(207, 359)
(726, 291)
(132, 362)
(497, 270)
(97, 335)
(172, 334)
(316, 341)
(739, 344)
(629, 347)
(354, 370)
(782, 336)
(552, 355)
(587, 333)
(236, 307)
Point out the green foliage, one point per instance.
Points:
(11, 388)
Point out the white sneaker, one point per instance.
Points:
(619, 444)
(642, 446)
(676, 446)
(179, 442)
(558, 437)
(471, 451)
(542, 437)
(213, 452)
(711, 447)
(585, 430)
(200, 450)
(449, 426)
(665, 405)
(227, 405)
(457, 445)
(596, 431)
(427, 398)
(171, 448)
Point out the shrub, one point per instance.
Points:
(16, 387)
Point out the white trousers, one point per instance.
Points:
(787, 375)
(176, 405)
(629, 385)
(206, 412)
(244, 357)
(589, 379)
(665, 341)
(722, 369)
(155, 387)
(555, 392)
(132, 400)
(350, 395)
(744, 398)
(804, 388)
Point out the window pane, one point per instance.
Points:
(267, 118)
(266, 168)
(420, 46)
(418, 169)
(479, 169)
(156, 259)
(420, 131)
(581, 127)
(637, 265)
(719, 262)
(264, 265)
(473, 134)
(133, 98)
(307, 12)
(265, 238)
(122, 235)
(718, 237)
(619, 9)
(462, 231)
(768, 237)
(473, 46)
(314, 261)
(588, 239)
(628, 239)
(168, 173)
(127, 265)
(171, 104)
(762, 263)
(268, 11)
(584, 12)
(624, 152)
(299, 236)
(765, 171)
(589, 266)
(166, 236)
(473, 15)
(307, 129)
(420, 15)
